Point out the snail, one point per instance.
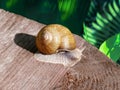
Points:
(55, 38)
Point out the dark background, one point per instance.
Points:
(70, 13)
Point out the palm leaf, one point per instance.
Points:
(95, 6)
(105, 25)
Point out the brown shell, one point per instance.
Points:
(54, 37)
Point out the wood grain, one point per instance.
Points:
(19, 70)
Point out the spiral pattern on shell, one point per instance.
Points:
(55, 37)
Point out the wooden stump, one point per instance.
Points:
(19, 70)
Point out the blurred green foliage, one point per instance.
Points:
(70, 13)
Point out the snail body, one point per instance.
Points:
(53, 38)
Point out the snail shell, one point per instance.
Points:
(53, 38)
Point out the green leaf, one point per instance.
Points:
(111, 47)
(116, 8)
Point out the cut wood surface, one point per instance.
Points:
(19, 70)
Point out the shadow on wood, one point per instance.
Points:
(26, 41)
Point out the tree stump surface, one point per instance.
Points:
(19, 70)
